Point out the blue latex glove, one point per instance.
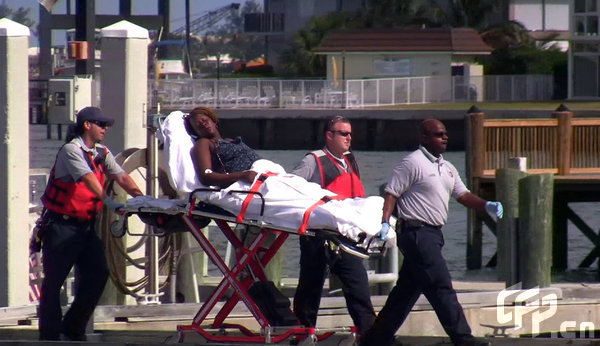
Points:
(385, 228)
(112, 204)
(494, 208)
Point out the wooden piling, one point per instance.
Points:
(535, 230)
(507, 192)
(565, 135)
(476, 161)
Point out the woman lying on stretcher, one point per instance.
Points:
(219, 162)
(290, 202)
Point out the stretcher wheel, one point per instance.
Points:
(350, 340)
(176, 338)
(128, 264)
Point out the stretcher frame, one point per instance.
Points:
(255, 257)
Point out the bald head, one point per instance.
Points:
(433, 136)
(429, 125)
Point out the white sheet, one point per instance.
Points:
(287, 196)
(177, 147)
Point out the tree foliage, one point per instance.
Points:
(507, 35)
(463, 13)
(299, 59)
(20, 15)
(228, 39)
(515, 52)
(514, 49)
(398, 13)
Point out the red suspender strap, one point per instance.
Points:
(251, 193)
(310, 209)
(192, 206)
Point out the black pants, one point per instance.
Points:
(424, 271)
(314, 259)
(66, 244)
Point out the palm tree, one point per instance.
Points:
(20, 15)
(463, 13)
(299, 59)
(510, 34)
(398, 13)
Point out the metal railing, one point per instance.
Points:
(355, 93)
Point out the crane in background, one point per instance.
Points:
(207, 20)
(172, 56)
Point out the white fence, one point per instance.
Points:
(262, 93)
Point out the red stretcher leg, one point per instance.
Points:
(230, 276)
(257, 265)
(256, 257)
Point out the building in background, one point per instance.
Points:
(441, 53)
(546, 20)
(584, 55)
(281, 20)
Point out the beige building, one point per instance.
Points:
(382, 53)
(447, 54)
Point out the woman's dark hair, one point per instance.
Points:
(199, 111)
(205, 111)
(73, 131)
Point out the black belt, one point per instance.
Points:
(57, 216)
(415, 224)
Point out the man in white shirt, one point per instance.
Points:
(420, 188)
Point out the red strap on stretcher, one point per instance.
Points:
(251, 193)
(310, 209)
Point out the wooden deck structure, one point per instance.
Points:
(562, 144)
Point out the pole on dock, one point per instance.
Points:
(14, 163)
(124, 83)
(565, 135)
(565, 143)
(123, 89)
(535, 230)
(507, 192)
(475, 159)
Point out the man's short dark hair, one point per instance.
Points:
(332, 120)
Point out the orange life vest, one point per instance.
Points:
(73, 198)
(335, 178)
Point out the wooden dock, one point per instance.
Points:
(576, 304)
(567, 147)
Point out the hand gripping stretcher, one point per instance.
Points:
(192, 215)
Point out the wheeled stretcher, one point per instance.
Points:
(192, 215)
(277, 204)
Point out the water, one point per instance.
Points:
(375, 169)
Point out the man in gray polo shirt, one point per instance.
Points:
(420, 188)
(73, 198)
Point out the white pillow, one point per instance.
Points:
(177, 147)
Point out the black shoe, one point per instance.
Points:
(473, 342)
